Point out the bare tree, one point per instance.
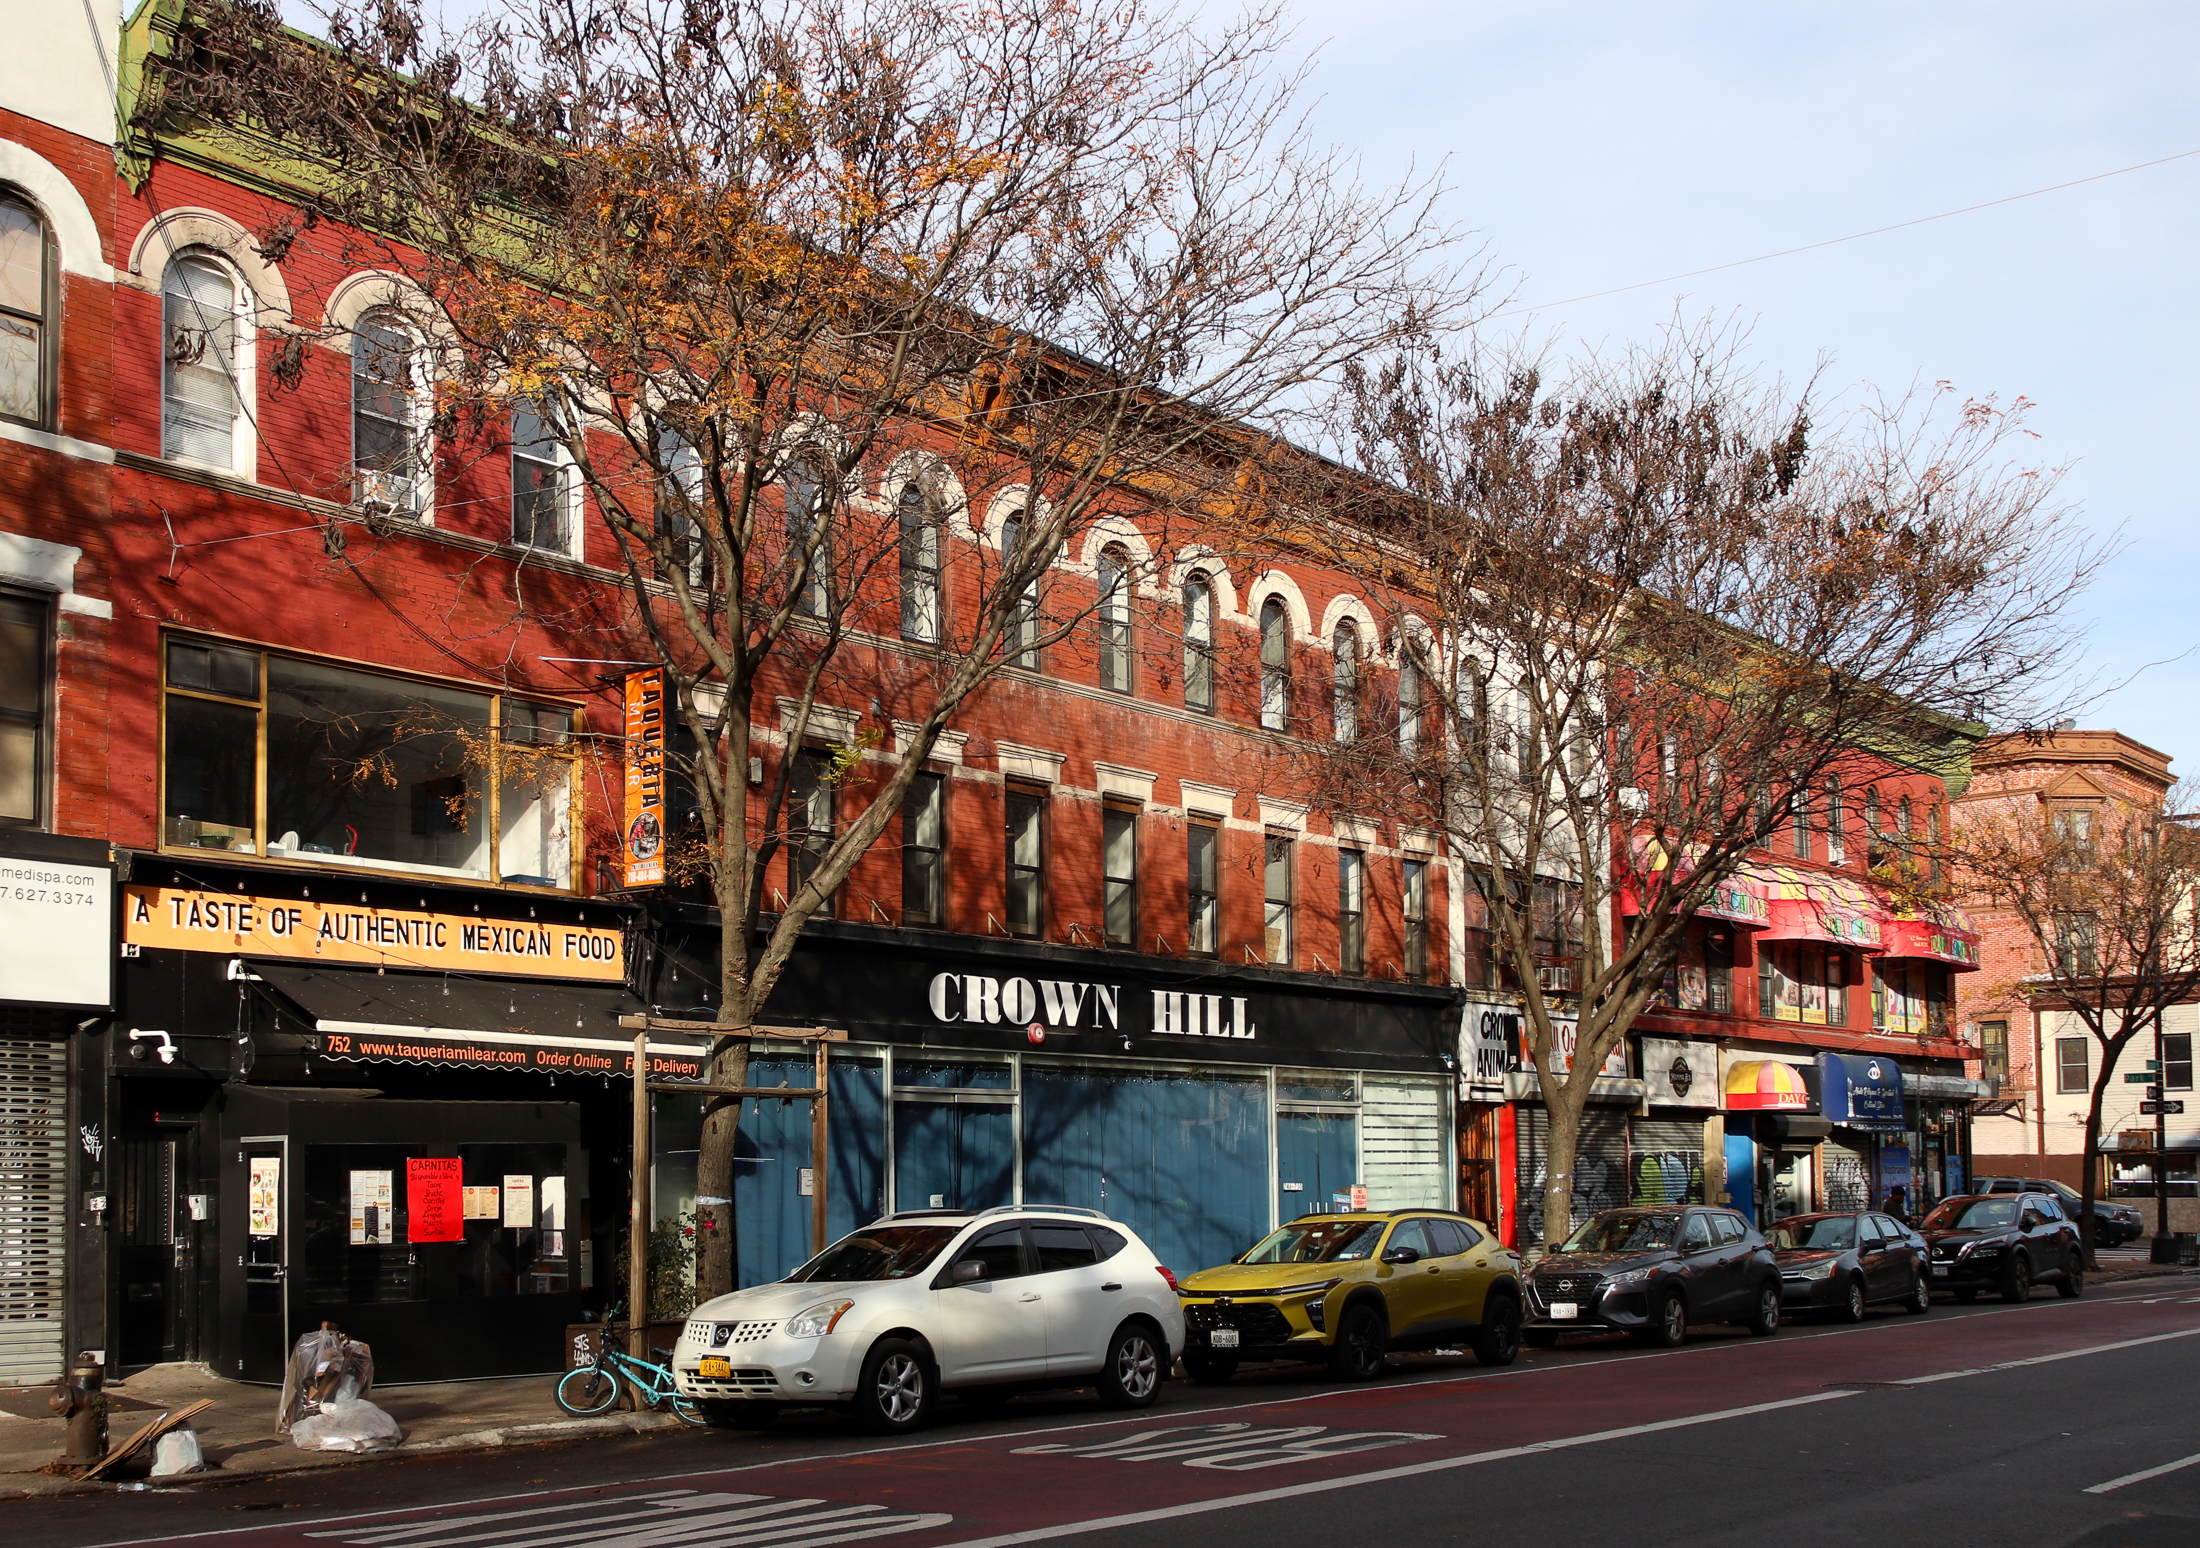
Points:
(855, 322)
(1643, 616)
(2110, 898)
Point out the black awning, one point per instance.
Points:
(426, 1018)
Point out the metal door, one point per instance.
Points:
(148, 1249)
(263, 1165)
(34, 1158)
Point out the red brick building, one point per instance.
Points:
(333, 711)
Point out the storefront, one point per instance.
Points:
(1199, 1103)
(1773, 1130)
(394, 1107)
(56, 976)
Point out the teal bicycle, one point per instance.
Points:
(589, 1390)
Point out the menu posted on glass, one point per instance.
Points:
(519, 1200)
(373, 1220)
(263, 1201)
(481, 1203)
(432, 1201)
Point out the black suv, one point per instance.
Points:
(1651, 1272)
(2005, 1242)
(2113, 1224)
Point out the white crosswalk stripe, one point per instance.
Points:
(669, 1518)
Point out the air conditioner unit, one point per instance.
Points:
(1554, 977)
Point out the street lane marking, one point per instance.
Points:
(1232, 1448)
(647, 1520)
(1388, 1474)
(1476, 1459)
(2142, 1477)
(2045, 1359)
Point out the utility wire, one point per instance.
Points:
(1857, 236)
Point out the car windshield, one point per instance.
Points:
(1828, 1233)
(1973, 1214)
(878, 1252)
(1623, 1232)
(1319, 1241)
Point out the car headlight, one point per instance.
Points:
(1631, 1277)
(1986, 1249)
(1316, 1287)
(818, 1320)
(1816, 1270)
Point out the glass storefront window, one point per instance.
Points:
(952, 1074)
(1316, 1086)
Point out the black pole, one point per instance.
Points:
(2164, 1245)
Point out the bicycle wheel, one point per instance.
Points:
(588, 1391)
(690, 1411)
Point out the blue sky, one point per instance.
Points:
(1594, 146)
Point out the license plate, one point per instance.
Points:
(1564, 1311)
(1223, 1338)
(723, 1369)
(1940, 1271)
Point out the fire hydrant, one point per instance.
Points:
(77, 1398)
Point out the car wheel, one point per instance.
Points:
(738, 1416)
(1497, 1340)
(1358, 1353)
(2104, 1234)
(1765, 1320)
(1669, 1322)
(1539, 1338)
(2019, 1285)
(1130, 1376)
(1921, 1295)
(895, 1391)
(1209, 1370)
(2073, 1282)
(1853, 1305)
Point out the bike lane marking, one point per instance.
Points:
(997, 1478)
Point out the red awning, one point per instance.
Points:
(1740, 899)
(1945, 935)
(1810, 906)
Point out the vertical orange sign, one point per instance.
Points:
(645, 778)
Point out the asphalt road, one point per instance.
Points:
(2051, 1423)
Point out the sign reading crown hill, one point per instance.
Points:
(194, 919)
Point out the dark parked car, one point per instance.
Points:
(1652, 1272)
(2113, 1224)
(2006, 1242)
(1848, 1263)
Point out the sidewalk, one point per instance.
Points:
(239, 1437)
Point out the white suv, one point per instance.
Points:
(980, 1305)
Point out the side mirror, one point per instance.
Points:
(1402, 1255)
(969, 1271)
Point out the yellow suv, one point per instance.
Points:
(1346, 1289)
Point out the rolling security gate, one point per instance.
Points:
(34, 1154)
(1847, 1179)
(1600, 1164)
(1665, 1161)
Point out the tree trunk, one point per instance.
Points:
(2092, 1154)
(1563, 1106)
(715, 1246)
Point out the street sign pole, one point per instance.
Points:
(2164, 1246)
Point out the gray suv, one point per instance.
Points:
(1652, 1272)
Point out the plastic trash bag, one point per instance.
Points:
(324, 1367)
(346, 1424)
(177, 1452)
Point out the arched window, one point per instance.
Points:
(1344, 676)
(806, 486)
(389, 416)
(543, 482)
(1115, 621)
(1275, 665)
(201, 390)
(27, 291)
(1410, 710)
(1199, 643)
(920, 565)
(1023, 620)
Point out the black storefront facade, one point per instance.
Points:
(397, 1106)
(1199, 1103)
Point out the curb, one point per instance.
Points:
(556, 1429)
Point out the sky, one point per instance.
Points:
(1593, 146)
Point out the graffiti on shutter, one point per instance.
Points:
(1600, 1165)
(1665, 1161)
(1848, 1185)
